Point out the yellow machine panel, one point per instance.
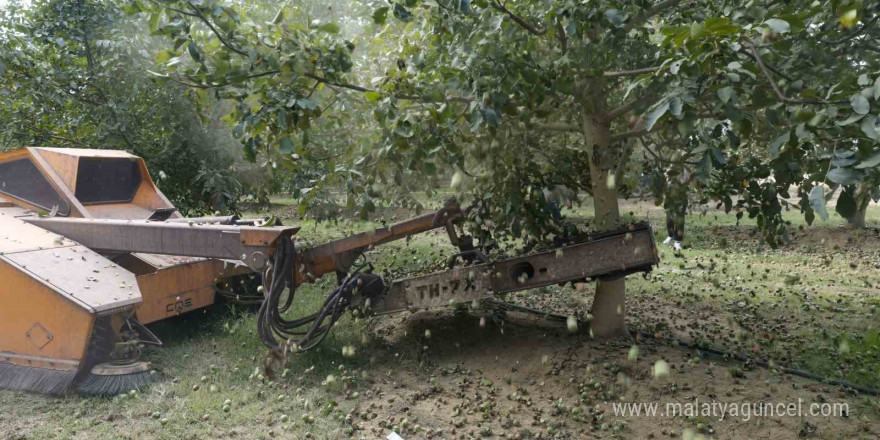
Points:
(172, 285)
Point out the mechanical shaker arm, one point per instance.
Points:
(252, 245)
(339, 255)
(249, 244)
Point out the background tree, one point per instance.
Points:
(74, 74)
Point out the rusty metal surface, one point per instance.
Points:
(437, 290)
(81, 275)
(628, 251)
(208, 241)
(614, 254)
(221, 220)
(323, 259)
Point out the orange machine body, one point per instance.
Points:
(53, 289)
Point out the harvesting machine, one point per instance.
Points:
(92, 253)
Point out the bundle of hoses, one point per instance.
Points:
(303, 333)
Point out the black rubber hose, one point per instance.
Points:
(764, 363)
(312, 329)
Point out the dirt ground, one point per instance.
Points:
(529, 379)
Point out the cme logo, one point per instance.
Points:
(179, 305)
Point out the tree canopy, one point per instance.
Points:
(510, 98)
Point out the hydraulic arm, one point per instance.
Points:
(272, 252)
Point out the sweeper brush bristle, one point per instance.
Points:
(91, 378)
(111, 385)
(35, 380)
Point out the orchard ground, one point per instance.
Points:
(811, 305)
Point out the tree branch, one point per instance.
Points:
(779, 94)
(559, 126)
(560, 35)
(627, 134)
(179, 11)
(626, 107)
(654, 10)
(769, 66)
(852, 34)
(615, 73)
(519, 20)
(313, 76)
(661, 159)
(210, 25)
(223, 84)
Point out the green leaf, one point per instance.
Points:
(846, 204)
(719, 156)
(721, 26)
(194, 52)
(163, 56)
(372, 96)
(777, 143)
(870, 162)
(380, 15)
(456, 179)
(852, 118)
(491, 117)
(330, 28)
(287, 146)
(282, 119)
(844, 162)
(401, 13)
(656, 114)
(614, 16)
(844, 176)
(869, 127)
(778, 26)
(279, 17)
(860, 104)
(154, 23)
(676, 107)
(817, 201)
(307, 104)
(725, 94)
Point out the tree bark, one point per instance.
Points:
(863, 199)
(609, 304)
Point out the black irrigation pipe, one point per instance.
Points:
(704, 348)
(762, 363)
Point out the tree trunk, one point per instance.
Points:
(863, 199)
(858, 220)
(609, 304)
